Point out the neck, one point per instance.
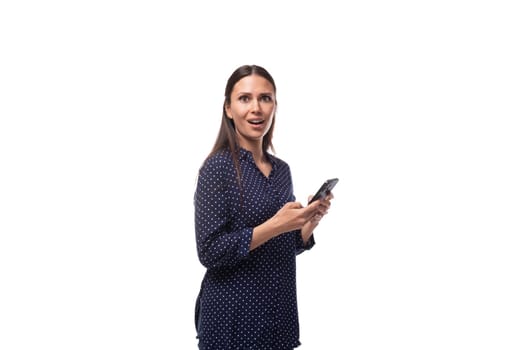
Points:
(258, 156)
(255, 149)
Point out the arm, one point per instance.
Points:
(217, 243)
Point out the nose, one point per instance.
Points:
(256, 108)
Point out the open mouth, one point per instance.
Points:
(256, 121)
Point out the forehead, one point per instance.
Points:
(254, 84)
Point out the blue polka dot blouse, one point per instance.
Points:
(247, 299)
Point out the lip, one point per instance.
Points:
(257, 126)
(255, 120)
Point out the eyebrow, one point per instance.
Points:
(249, 93)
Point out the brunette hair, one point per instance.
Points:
(227, 137)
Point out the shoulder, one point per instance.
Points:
(280, 164)
(217, 163)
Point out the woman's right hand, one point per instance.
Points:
(293, 216)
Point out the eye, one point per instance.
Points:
(266, 98)
(244, 98)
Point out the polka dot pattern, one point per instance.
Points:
(247, 299)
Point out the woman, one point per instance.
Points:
(248, 226)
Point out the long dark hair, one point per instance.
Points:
(227, 137)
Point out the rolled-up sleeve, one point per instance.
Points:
(217, 243)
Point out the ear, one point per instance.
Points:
(227, 109)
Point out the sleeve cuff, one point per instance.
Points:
(301, 245)
(245, 242)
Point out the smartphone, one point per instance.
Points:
(326, 187)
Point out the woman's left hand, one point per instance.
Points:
(322, 209)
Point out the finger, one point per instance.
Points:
(294, 205)
(316, 218)
(325, 205)
(323, 212)
(312, 207)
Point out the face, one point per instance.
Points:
(252, 109)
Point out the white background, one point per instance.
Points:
(108, 108)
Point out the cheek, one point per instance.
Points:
(270, 110)
(272, 113)
(237, 111)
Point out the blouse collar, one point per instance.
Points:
(245, 154)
